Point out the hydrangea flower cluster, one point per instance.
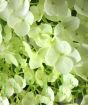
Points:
(43, 52)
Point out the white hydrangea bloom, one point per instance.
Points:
(70, 81)
(64, 94)
(51, 93)
(64, 64)
(75, 55)
(56, 7)
(4, 101)
(3, 4)
(63, 47)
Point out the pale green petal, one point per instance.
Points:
(46, 28)
(82, 71)
(53, 18)
(43, 40)
(21, 28)
(70, 81)
(57, 18)
(40, 77)
(51, 56)
(36, 12)
(5, 101)
(12, 20)
(71, 3)
(27, 48)
(8, 33)
(15, 85)
(28, 99)
(85, 100)
(3, 5)
(10, 58)
(34, 32)
(64, 94)
(64, 65)
(24, 8)
(57, 30)
(71, 23)
(50, 93)
(63, 47)
(9, 90)
(53, 76)
(29, 75)
(0, 34)
(35, 61)
(81, 7)
(56, 7)
(72, 104)
(75, 55)
(20, 81)
(29, 18)
(45, 100)
(5, 13)
(15, 4)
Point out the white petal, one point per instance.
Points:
(64, 65)
(21, 28)
(51, 56)
(63, 47)
(75, 55)
(3, 5)
(24, 9)
(71, 23)
(12, 20)
(51, 93)
(5, 101)
(29, 18)
(56, 7)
